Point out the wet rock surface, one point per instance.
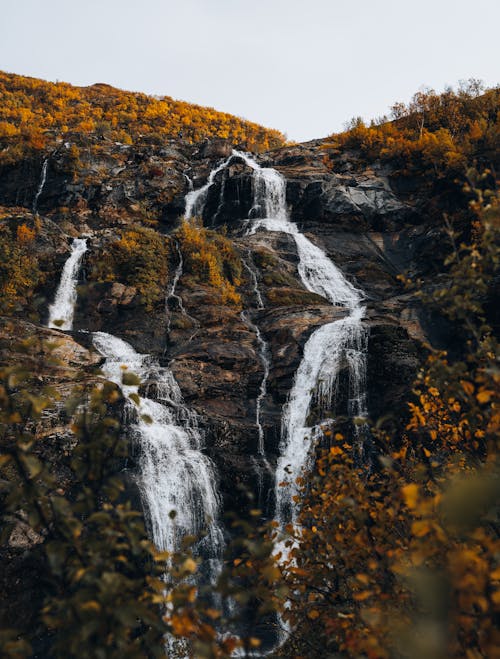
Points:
(371, 227)
(370, 224)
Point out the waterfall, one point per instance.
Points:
(62, 310)
(41, 184)
(173, 295)
(250, 268)
(176, 480)
(266, 363)
(175, 477)
(339, 344)
(195, 199)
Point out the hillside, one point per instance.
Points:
(300, 341)
(36, 115)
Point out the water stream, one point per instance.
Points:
(41, 184)
(62, 310)
(336, 346)
(174, 475)
(177, 480)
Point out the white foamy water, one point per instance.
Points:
(174, 475)
(331, 348)
(195, 199)
(63, 307)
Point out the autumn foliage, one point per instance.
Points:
(138, 257)
(400, 557)
(435, 134)
(211, 258)
(34, 114)
(20, 271)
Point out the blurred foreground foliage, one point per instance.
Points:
(104, 590)
(400, 558)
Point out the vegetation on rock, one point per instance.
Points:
(211, 258)
(434, 135)
(400, 557)
(138, 258)
(20, 270)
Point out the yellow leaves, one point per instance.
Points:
(336, 450)
(212, 259)
(421, 528)
(363, 595)
(190, 566)
(468, 387)
(313, 614)
(182, 625)
(484, 396)
(495, 574)
(24, 234)
(410, 495)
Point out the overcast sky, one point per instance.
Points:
(302, 66)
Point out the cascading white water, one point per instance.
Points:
(195, 199)
(62, 310)
(174, 474)
(329, 349)
(41, 184)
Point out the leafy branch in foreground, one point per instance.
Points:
(100, 573)
(402, 560)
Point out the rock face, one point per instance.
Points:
(373, 227)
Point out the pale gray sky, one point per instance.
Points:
(302, 66)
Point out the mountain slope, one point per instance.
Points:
(36, 114)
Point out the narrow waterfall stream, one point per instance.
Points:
(41, 185)
(177, 481)
(62, 310)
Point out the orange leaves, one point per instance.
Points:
(363, 595)
(313, 614)
(36, 106)
(410, 495)
(420, 528)
(212, 259)
(484, 396)
(468, 387)
(24, 234)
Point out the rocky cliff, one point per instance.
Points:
(137, 284)
(373, 228)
